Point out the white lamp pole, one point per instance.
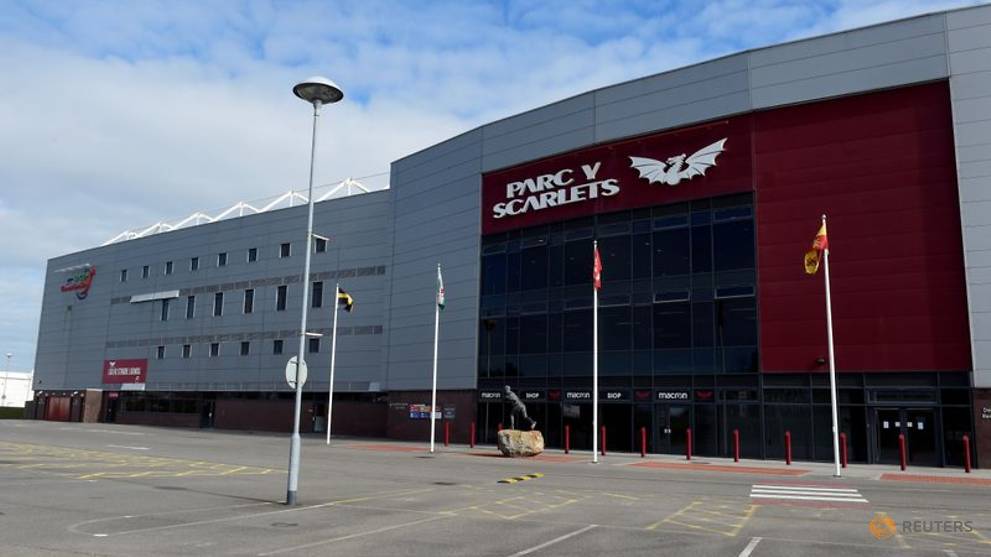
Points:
(6, 377)
(317, 91)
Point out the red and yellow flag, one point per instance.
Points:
(597, 271)
(819, 244)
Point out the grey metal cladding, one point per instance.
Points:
(94, 329)
(969, 40)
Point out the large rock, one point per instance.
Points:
(514, 443)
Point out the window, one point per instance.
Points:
(165, 310)
(252, 255)
(187, 351)
(214, 349)
(317, 294)
(249, 300)
(285, 250)
(144, 271)
(194, 263)
(314, 345)
(168, 267)
(123, 275)
(277, 346)
(280, 298)
(733, 245)
(222, 259)
(320, 245)
(190, 306)
(160, 353)
(245, 348)
(218, 304)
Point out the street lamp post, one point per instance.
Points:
(317, 91)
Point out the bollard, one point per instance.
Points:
(471, 436)
(602, 449)
(499, 427)
(788, 448)
(736, 445)
(567, 438)
(447, 434)
(902, 454)
(643, 442)
(688, 443)
(966, 454)
(843, 455)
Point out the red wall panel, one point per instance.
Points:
(882, 167)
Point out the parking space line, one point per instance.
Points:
(750, 547)
(351, 536)
(549, 543)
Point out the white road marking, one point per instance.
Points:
(558, 539)
(806, 493)
(130, 448)
(950, 552)
(805, 488)
(750, 547)
(351, 536)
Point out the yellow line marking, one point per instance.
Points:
(631, 498)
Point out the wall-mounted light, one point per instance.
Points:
(820, 361)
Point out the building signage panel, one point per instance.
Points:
(531, 395)
(490, 396)
(613, 395)
(578, 396)
(79, 282)
(702, 161)
(665, 396)
(125, 371)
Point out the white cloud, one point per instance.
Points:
(117, 118)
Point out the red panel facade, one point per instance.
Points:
(882, 167)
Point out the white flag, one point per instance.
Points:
(440, 289)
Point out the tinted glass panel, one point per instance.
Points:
(733, 245)
(671, 252)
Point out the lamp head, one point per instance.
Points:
(318, 88)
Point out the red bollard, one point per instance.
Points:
(843, 450)
(966, 454)
(567, 438)
(688, 443)
(736, 445)
(902, 453)
(447, 434)
(471, 436)
(499, 427)
(602, 449)
(788, 448)
(643, 442)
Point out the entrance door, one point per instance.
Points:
(918, 426)
(672, 422)
(921, 436)
(889, 425)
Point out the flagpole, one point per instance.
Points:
(595, 364)
(433, 388)
(333, 361)
(832, 363)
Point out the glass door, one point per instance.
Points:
(672, 422)
(888, 424)
(920, 435)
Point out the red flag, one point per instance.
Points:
(597, 271)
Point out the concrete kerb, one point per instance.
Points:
(700, 463)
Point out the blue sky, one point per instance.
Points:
(117, 115)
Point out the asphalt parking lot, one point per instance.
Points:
(98, 489)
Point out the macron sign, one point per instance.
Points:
(664, 168)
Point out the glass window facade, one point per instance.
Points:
(678, 294)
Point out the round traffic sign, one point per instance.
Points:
(291, 373)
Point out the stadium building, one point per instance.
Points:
(703, 186)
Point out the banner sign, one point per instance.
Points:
(698, 162)
(125, 371)
(79, 282)
(664, 396)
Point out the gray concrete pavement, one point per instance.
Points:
(99, 489)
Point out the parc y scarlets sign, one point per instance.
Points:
(701, 161)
